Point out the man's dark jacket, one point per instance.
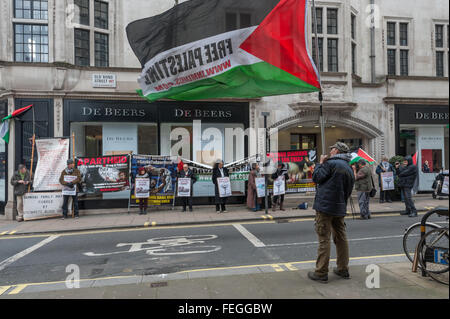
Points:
(335, 181)
(407, 174)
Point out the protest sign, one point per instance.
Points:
(445, 186)
(387, 181)
(42, 205)
(184, 187)
(142, 188)
(260, 186)
(52, 160)
(70, 191)
(224, 186)
(279, 186)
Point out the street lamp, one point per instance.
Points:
(266, 149)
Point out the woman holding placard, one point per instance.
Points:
(219, 178)
(185, 190)
(253, 202)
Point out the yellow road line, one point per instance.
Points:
(153, 224)
(13, 232)
(4, 233)
(290, 267)
(277, 267)
(18, 289)
(3, 289)
(146, 224)
(270, 216)
(264, 217)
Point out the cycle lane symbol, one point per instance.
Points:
(167, 246)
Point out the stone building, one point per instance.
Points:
(384, 72)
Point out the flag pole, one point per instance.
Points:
(316, 41)
(32, 153)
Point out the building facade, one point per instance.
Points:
(384, 71)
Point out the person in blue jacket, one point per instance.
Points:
(384, 167)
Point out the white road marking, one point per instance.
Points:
(252, 238)
(350, 240)
(25, 252)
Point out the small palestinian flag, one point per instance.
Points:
(204, 49)
(4, 129)
(361, 155)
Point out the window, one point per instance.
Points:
(31, 43)
(101, 14)
(319, 13)
(83, 6)
(403, 62)
(82, 48)
(332, 21)
(234, 21)
(353, 26)
(303, 141)
(391, 33)
(439, 63)
(31, 9)
(320, 43)
(439, 36)
(332, 55)
(353, 58)
(391, 62)
(403, 34)
(101, 50)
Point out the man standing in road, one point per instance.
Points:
(363, 185)
(407, 176)
(69, 178)
(335, 179)
(20, 181)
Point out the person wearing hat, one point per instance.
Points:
(219, 171)
(363, 185)
(70, 170)
(334, 179)
(20, 180)
(384, 167)
(281, 171)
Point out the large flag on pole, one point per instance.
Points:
(4, 129)
(203, 49)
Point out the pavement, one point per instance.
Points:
(161, 216)
(396, 281)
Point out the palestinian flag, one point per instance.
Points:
(361, 155)
(205, 49)
(4, 129)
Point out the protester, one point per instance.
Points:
(219, 171)
(20, 181)
(187, 173)
(281, 171)
(397, 171)
(384, 167)
(335, 179)
(407, 176)
(70, 170)
(253, 202)
(363, 185)
(143, 202)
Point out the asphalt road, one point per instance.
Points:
(38, 259)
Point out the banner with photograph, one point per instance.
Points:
(142, 188)
(52, 160)
(300, 165)
(279, 186)
(104, 174)
(162, 171)
(184, 187)
(42, 205)
(260, 186)
(69, 191)
(387, 181)
(224, 186)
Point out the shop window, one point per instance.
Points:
(303, 141)
(148, 139)
(93, 141)
(407, 141)
(431, 161)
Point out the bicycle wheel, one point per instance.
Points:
(433, 254)
(412, 237)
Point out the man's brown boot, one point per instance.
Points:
(274, 206)
(281, 207)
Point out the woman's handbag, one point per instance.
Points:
(373, 191)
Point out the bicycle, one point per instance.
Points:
(411, 238)
(433, 249)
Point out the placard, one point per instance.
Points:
(69, 191)
(142, 188)
(260, 186)
(387, 181)
(445, 186)
(42, 205)
(184, 187)
(224, 185)
(52, 160)
(279, 186)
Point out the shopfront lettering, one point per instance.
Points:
(198, 113)
(112, 112)
(431, 116)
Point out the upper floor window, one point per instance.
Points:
(101, 14)
(403, 34)
(397, 50)
(319, 17)
(353, 26)
(101, 50)
(327, 38)
(332, 21)
(83, 7)
(441, 52)
(439, 35)
(30, 43)
(82, 47)
(391, 33)
(31, 9)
